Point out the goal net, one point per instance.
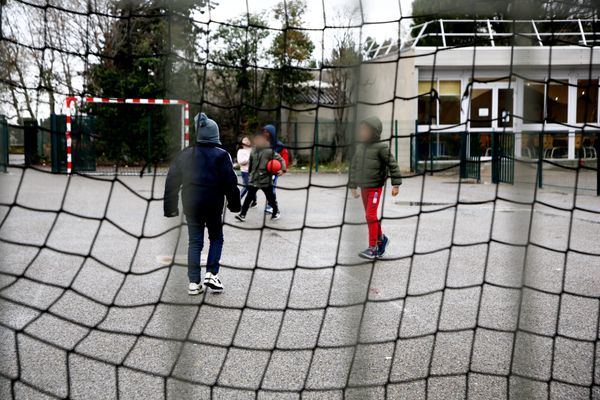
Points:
(489, 287)
(71, 103)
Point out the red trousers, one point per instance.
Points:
(370, 198)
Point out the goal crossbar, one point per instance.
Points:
(73, 100)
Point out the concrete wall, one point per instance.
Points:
(298, 128)
(388, 89)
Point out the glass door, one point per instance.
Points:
(490, 109)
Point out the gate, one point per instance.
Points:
(470, 156)
(503, 157)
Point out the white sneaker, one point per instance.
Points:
(269, 210)
(212, 281)
(195, 288)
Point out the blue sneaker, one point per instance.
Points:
(370, 254)
(383, 245)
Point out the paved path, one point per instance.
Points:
(477, 294)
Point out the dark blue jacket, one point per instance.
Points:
(206, 174)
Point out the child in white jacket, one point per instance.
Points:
(243, 159)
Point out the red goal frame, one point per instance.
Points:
(73, 100)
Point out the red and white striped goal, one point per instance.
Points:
(73, 100)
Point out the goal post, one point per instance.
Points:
(72, 101)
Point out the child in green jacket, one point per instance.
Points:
(369, 169)
(260, 177)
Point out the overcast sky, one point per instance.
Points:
(379, 17)
(375, 18)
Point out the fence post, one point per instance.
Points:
(540, 158)
(430, 152)
(413, 141)
(495, 157)
(3, 144)
(396, 137)
(149, 160)
(30, 137)
(317, 146)
(597, 163)
(295, 153)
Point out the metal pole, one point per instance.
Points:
(3, 144)
(149, 160)
(396, 138)
(296, 140)
(430, 154)
(597, 163)
(540, 158)
(413, 140)
(317, 146)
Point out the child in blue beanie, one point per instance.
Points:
(205, 171)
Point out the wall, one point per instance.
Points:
(388, 87)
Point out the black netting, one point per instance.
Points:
(489, 290)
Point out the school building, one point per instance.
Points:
(533, 85)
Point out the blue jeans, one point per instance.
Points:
(196, 223)
(245, 180)
(275, 182)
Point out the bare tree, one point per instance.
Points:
(344, 62)
(46, 51)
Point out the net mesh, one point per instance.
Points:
(487, 291)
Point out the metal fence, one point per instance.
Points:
(4, 144)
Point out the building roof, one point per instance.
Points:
(493, 32)
(323, 94)
(457, 33)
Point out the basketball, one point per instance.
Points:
(273, 166)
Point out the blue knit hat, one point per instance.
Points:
(207, 130)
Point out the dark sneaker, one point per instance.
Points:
(275, 216)
(383, 245)
(370, 254)
(240, 217)
(212, 281)
(254, 204)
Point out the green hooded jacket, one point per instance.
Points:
(259, 176)
(373, 162)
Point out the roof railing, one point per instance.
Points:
(492, 32)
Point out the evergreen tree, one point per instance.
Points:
(140, 60)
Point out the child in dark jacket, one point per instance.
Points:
(370, 167)
(260, 177)
(205, 171)
(280, 149)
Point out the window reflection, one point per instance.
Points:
(587, 100)
(557, 101)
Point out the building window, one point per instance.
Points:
(587, 100)
(427, 107)
(481, 108)
(449, 102)
(557, 102)
(446, 111)
(533, 103)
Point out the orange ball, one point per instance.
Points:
(273, 166)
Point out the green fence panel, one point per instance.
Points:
(503, 160)
(470, 156)
(3, 144)
(82, 140)
(58, 144)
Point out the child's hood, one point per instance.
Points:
(374, 123)
(275, 142)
